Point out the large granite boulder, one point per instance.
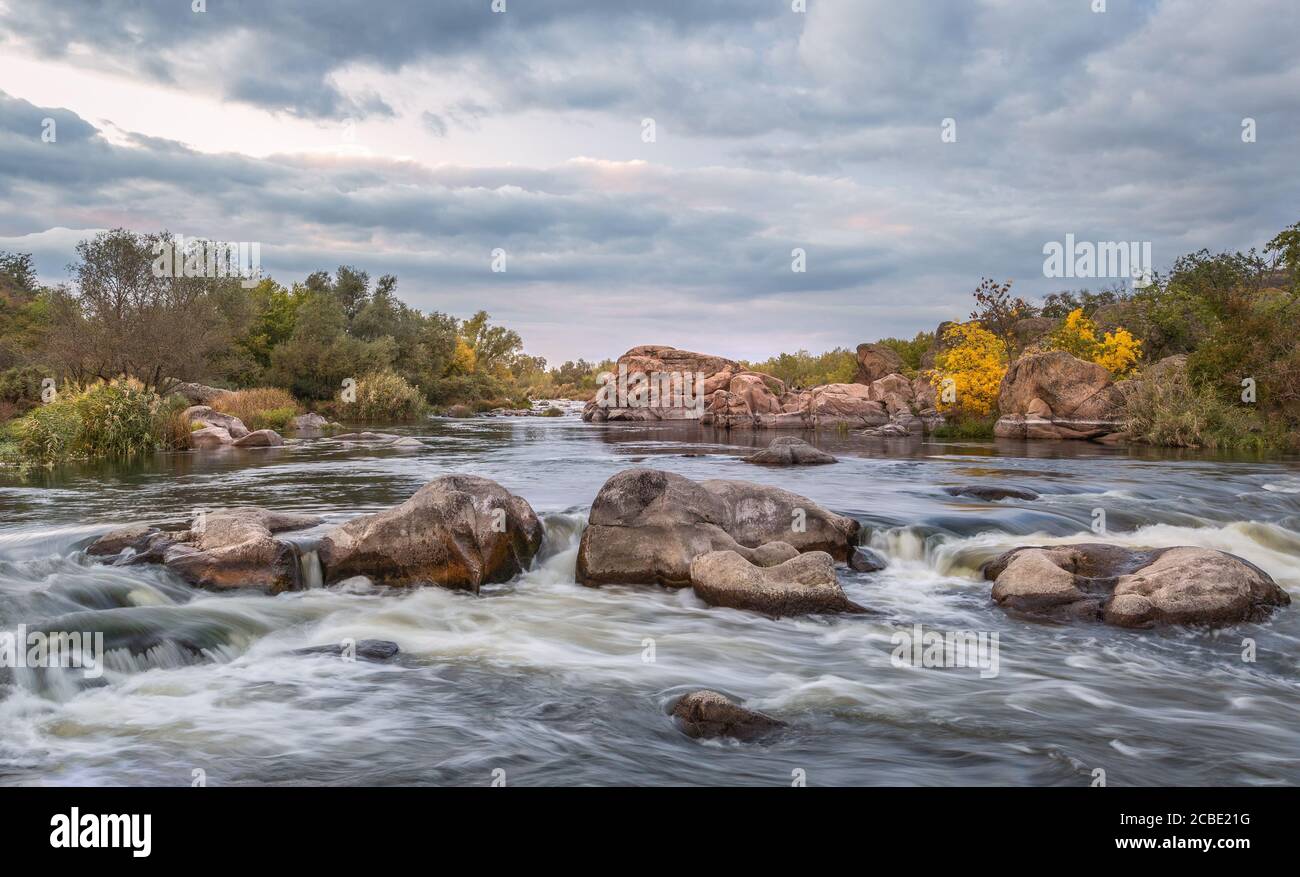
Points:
(210, 437)
(675, 370)
(1133, 588)
(1056, 395)
(260, 438)
(458, 531)
(646, 526)
(789, 450)
(803, 585)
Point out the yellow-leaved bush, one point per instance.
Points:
(974, 360)
(1117, 352)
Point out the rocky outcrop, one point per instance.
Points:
(875, 361)
(206, 416)
(646, 526)
(789, 450)
(707, 714)
(1132, 588)
(458, 531)
(802, 585)
(738, 398)
(1055, 395)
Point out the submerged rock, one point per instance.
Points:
(707, 714)
(646, 526)
(865, 560)
(458, 531)
(375, 650)
(802, 585)
(1133, 588)
(261, 438)
(990, 493)
(789, 450)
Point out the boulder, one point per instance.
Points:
(366, 437)
(676, 371)
(260, 438)
(1030, 330)
(1056, 395)
(311, 420)
(865, 560)
(991, 493)
(789, 450)
(646, 526)
(458, 531)
(235, 548)
(207, 416)
(802, 585)
(707, 714)
(210, 437)
(875, 361)
(197, 394)
(851, 404)
(1133, 588)
(132, 537)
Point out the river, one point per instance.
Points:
(541, 681)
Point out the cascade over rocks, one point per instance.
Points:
(647, 525)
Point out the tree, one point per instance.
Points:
(124, 318)
(1118, 352)
(494, 346)
(998, 311)
(974, 360)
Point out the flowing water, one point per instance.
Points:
(554, 683)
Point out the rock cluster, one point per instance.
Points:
(1133, 588)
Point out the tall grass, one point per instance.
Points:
(109, 419)
(258, 408)
(1169, 410)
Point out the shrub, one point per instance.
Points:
(1170, 410)
(49, 434)
(384, 396)
(975, 360)
(21, 387)
(1118, 352)
(117, 419)
(258, 408)
(967, 428)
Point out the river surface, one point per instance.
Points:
(543, 681)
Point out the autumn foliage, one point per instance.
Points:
(974, 360)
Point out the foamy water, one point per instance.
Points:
(559, 684)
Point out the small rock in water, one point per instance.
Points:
(376, 650)
(990, 493)
(865, 560)
(706, 714)
(789, 450)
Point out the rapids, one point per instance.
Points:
(555, 683)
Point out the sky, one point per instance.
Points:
(650, 169)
